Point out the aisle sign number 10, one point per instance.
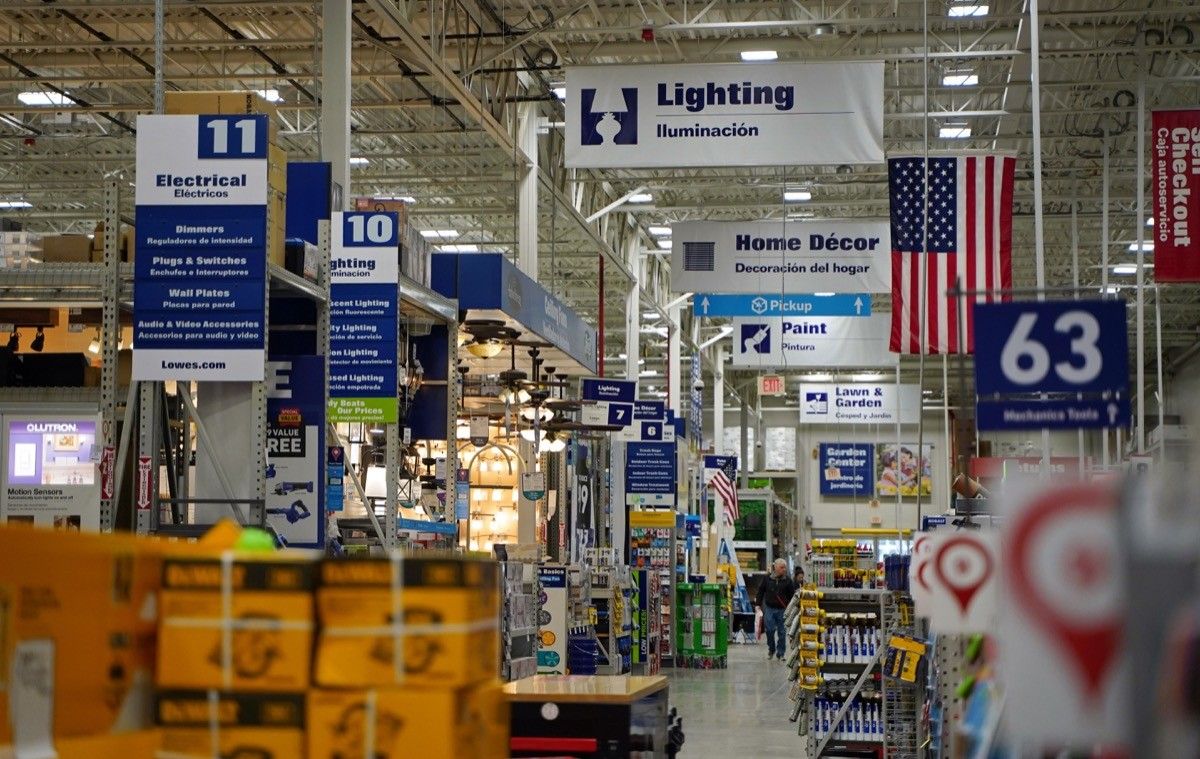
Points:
(1051, 346)
(369, 229)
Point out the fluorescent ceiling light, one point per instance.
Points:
(954, 132)
(640, 197)
(44, 98)
(797, 196)
(400, 198)
(1147, 246)
(819, 376)
(559, 92)
(866, 377)
(271, 96)
(15, 204)
(1110, 290)
(649, 316)
(759, 55)
(664, 244)
(660, 231)
(443, 233)
(459, 248)
(823, 295)
(960, 79)
(648, 373)
(1150, 222)
(959, 10)
(358, 161)
(1129, 268)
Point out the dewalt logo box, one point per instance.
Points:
(433, 723)
(422, 620)
(241, 624)
(77, 629)
(238, 725)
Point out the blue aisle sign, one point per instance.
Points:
(847, 469)
(733, 304)
(650, 474)
(612, 402)
(200, 263)
(295, 454)
(462, 494)
(335, 473)
(364, 274)
(1052, 364)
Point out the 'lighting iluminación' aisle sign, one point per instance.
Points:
(724, 115)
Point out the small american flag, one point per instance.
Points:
(969, 241)
(722, 484)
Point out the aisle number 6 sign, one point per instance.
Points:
(1051, 346)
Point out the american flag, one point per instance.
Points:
(969, 238)
(721, 481)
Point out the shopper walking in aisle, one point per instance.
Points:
(773, 596)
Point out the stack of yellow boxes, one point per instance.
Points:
(408, 646)
(222, 103)
(235, 653)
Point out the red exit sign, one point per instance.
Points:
(770, 384)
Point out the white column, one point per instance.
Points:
(335, 92)
(718, 384)
(673, 360)
(633, 316)
(527, 196)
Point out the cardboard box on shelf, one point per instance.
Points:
(277, 168)
(444, 723)
(77, 619)
(143, 744)
(222, 102)
(383, 204)
(66, 249)
(242, 624)
(251, 725)
(276, 228)
(450, 611)
(125, 244)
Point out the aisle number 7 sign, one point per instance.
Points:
(1076, 352)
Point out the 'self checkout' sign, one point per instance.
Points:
(363, 317)
(201, 252)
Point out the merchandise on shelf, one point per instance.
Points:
(518, 620)
(702, 636)
(647, 656)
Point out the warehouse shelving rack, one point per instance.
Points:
(108, 285)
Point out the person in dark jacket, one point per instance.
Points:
(773, 596)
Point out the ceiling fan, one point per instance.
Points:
(486, 338)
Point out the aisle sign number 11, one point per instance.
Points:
(233, 136)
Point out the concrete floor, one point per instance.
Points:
(737, 713)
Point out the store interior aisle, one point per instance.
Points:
(741, 711)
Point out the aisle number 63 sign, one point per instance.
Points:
(1051, 346)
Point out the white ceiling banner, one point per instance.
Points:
(811, 341)
(859, 403)
(781, 257)
(749, 114)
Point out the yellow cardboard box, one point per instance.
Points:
(244, 725)
(432, 723)
(143, 744)
(245, 624)
(222, 102)
(276, 227)
(77, 610)
(449, 607)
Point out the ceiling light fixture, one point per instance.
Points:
(759, 55)
(796, 196)
(271, 96)
(459, 248)
(659, 231)
(640, 197)
(559, 92)
(397, 198)
(1150, 222)
(867, 377)
(15, 204)
(44, 98)
(358, 161)
(485, 348)
(960, 79)
(954, 132)
(1147, 247)
(960, 10)
(442, 233)
(664, 244)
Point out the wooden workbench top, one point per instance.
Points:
(599, 689)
